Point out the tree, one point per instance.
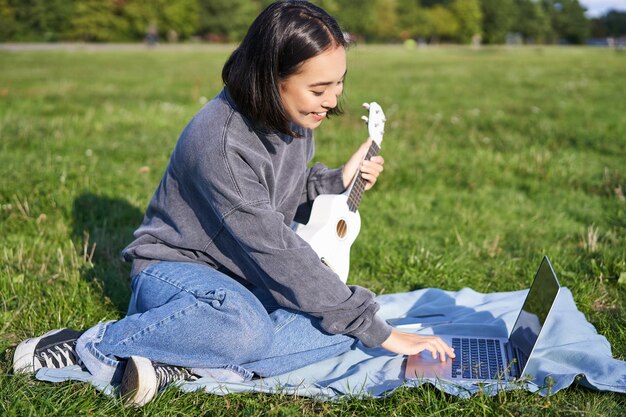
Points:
(615, 23)
(95, 20)
(385, 27)
(42, 19)
(357, 17)
(331, 6)
(460, 20)
(412, 20)
(470, 17)
(497, 19)
(442, 23)
(432, 3)
(568, 20)
(139, 15)
(8, 25)
(531, 21)
(180, 17)
(228, 18)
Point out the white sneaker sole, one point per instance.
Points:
(24, 356)
(139, 383)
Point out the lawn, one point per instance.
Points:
(494, 158)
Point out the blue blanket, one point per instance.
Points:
(570, 350)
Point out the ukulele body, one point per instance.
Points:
(331, 230)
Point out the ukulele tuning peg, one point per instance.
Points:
(366, 106)
(365, 119)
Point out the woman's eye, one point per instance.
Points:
(317, 93)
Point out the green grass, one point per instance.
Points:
(494, 158)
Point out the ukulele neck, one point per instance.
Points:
(357, 188)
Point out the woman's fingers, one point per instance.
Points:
(436, 346)
(371, 169)
(412, 344)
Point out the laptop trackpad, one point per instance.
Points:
(423, 365)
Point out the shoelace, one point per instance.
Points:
(168, 374)
(62, 354)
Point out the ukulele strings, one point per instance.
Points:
(356, 194)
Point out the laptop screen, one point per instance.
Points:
(538, 303)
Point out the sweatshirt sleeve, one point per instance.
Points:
(319, 180)
(228, 182)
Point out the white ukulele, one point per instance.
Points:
(335, 221)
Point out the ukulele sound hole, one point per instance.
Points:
(342, 228)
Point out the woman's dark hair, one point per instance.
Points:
(281, 38)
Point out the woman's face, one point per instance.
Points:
(308, 94)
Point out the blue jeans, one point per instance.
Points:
(191, 315)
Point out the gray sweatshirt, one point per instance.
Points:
(227, 199)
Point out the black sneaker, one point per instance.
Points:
(143, 379)
(55, 349)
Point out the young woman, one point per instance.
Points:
(221, 285)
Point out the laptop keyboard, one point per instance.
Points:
(477, 358)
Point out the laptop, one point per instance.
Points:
(488, 359)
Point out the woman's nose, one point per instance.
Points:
(331, 101)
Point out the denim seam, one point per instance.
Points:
(147, 330)
(177, 285)
(160, 278)
(91, 346)
(285, 322)
(244, 373)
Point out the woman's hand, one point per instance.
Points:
(412, 344)
(370, 170)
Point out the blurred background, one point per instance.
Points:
(416, 22)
